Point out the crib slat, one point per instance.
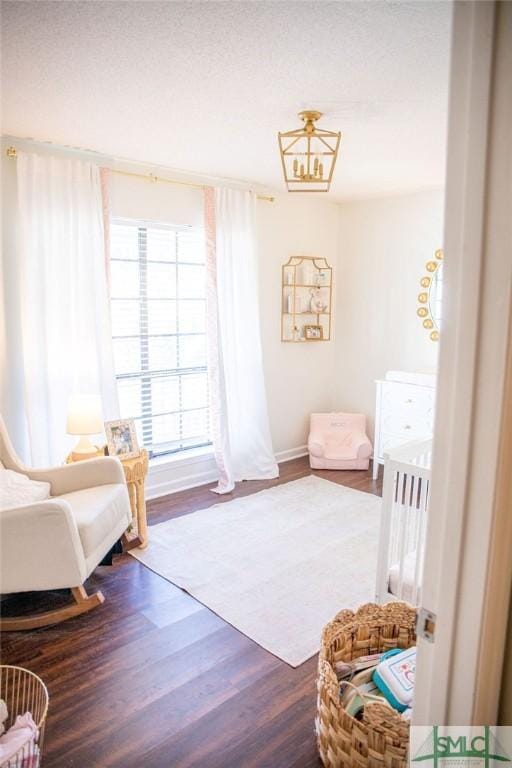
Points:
(420, 548)
(402, 518)
(406, 521)
(385, 535)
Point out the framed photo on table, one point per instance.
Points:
(122, 438)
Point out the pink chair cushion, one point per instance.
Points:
(334, 450)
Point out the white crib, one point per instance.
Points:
(405, 496)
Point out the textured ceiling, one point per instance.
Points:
(205, 86)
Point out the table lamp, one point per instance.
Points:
(84, 419)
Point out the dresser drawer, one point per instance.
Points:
(406, 398)
(403, 422)
(404, 413)
(405, 407)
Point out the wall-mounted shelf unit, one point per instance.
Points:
(306, 299)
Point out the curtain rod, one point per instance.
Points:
(11, 152)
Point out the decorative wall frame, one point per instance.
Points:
(430, 297)
(306, 299)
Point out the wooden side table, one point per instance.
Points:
(135, 471)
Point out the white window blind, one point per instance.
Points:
(158, 283)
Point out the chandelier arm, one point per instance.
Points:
(332, 149)
(329, 134)
(283, 163)
(289, 134)
(333, 163)
(291, 145)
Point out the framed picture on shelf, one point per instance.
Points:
(313, 332)
(122, 438)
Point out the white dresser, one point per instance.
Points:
(404, 411)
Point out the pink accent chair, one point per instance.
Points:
(338, 441)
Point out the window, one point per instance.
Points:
(158, 302)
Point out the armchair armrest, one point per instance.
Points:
(82, 474)
(40, 548)
(316, 444)
(362, 445)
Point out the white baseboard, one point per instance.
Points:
(154, 490)
(291, 453)
(180, 474)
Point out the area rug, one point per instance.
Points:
(278, 564)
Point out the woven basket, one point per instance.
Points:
(381, 739)
(23, 691)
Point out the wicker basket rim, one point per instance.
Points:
(371, 610)
(366, 615)
(43, 686)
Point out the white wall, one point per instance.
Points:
(298, 376)
(384, 246)
(135, 198)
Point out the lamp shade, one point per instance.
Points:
(84, 415)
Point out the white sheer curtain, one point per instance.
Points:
(240, 428)
(66, 345)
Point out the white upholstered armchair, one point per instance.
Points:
(58, 542)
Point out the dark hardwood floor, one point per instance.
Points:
(154, 679)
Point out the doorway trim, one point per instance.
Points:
(464, 516)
